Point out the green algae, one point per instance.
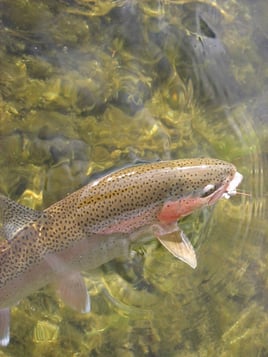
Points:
(90, 85)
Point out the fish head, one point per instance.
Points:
(210, 179)
(199, 183)
(202, 182)
(221, 182)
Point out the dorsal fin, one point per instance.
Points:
(14, 217)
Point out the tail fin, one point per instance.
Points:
(14, 216)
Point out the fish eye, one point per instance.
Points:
(208, 190)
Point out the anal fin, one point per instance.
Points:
(4, 326)
(69, 284)
(179, 246)
(71, 288)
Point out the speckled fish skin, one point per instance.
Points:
(117, 203)
(132, 197)
(90, 226)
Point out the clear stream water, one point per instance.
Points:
(87, 86)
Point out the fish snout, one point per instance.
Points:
(232, 185)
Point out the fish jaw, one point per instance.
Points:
(234, 183)
(227, 190)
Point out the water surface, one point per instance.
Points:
(91, 85)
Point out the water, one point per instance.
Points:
(88, 86)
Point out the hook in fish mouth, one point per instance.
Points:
(227, 190)
(231, 188)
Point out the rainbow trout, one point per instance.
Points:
(97, 223)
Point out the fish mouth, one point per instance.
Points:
(232, 185)
(228, 189)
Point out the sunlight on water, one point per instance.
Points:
(87, 86)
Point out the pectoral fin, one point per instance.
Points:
(72, 290)
(4, 326)
(179, 245)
